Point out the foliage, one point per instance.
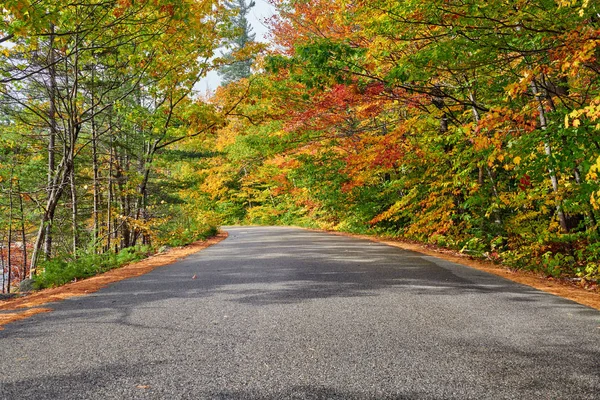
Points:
(470, 125)
(464, 124)
(92, 97)
(183, 228)
(58, 271)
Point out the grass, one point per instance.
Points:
(58, 271)
(61, 270)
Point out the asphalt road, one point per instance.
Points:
(282, 313)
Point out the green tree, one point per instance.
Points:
(237, 61)
(98, 90)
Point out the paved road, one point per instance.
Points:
(281, 313)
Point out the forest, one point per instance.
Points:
(462, 124)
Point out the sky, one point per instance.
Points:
(261, 11)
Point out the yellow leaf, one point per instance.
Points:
(594, 201)
(517, 160)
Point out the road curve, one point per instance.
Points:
(283, 313)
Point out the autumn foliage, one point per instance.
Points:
(466, 124)
(471, 125)
(95, 99)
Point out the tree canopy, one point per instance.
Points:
(464, 124)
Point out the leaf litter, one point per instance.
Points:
(32, 302)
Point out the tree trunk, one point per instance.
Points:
(120, 175)
(548, 150)
(74, 129)
(477, 117)
(444, 124)
(109, 197)
(58, 185)
(74, 213)
(10, 232)
(3, 264)
(96, 188)
(47, 235)
(23, 233)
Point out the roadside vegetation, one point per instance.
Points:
(468, 125)
(98, 109)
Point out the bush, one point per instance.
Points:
(184, 227)
(61, 270)
(557, 264)
(182, 235)
(58, 271)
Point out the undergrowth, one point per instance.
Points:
(58, 271)
(61, 270)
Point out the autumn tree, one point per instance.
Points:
(458, 123)
(99, 90)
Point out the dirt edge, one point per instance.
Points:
(17, 316)
(93, 284)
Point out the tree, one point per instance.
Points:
(461, 123)
(98, 90)
(237, 61)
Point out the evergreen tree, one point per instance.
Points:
(236, 68)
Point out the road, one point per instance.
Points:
(283, 313)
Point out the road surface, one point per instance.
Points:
(283, 313)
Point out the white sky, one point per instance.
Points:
(261, 11)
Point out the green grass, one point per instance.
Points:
(58, 271)
(61, 270)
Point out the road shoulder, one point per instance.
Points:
(23, 307)
(537, 281)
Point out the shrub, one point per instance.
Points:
(58, 271)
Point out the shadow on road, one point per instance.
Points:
(246, 315)
(296, 266)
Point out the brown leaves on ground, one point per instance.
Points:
(142, 386)
(16, 316)
(96, 283)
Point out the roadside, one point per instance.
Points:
(562, 288)
(23, 307)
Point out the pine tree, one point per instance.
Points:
(236, 68)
